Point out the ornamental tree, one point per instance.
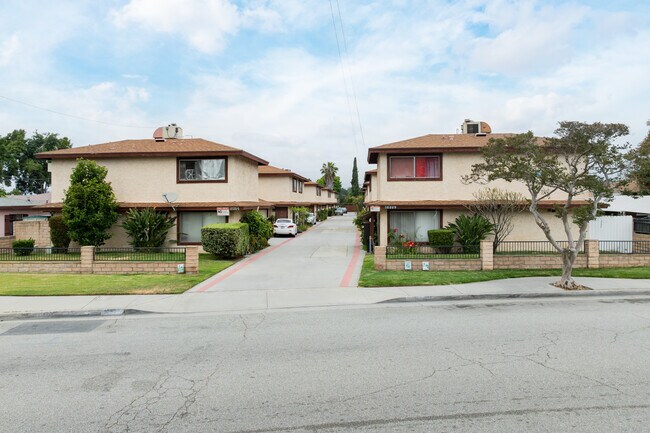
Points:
(89, 208)
(581, 160)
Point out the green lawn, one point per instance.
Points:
(74, 284)
(372, 278)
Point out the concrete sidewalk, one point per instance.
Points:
(260, 300)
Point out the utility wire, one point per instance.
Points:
(345, 82)
(354, 92)
(74, 116)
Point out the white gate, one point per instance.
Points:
(613, 228)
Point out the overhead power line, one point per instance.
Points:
(345, 81)
(354, 92)
(73, 116)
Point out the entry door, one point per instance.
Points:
(281, 212)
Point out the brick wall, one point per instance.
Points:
(6, 241)
(41, 267)
(39, 230)
(86, 265)
(535, 262)
(624, 260)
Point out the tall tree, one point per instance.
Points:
(89, 207)
(640, 171)
(329, 170)
(354, 188)
(18, 164)
(337, 185)
(582, 159)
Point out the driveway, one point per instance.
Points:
(326, 256)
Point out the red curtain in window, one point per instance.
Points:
(401, 167)
(427, 167)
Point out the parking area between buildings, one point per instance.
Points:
(326, 256)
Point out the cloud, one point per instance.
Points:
(204, 24)
(9, 49)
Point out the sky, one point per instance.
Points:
(302, 82)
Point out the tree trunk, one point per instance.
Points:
(568, 260)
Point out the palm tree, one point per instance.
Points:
(329, 171)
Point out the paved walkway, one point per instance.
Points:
(326, 256)
(267, 299)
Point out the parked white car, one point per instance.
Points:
(285, 226)
(311, 218)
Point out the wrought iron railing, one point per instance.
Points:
(432, 252)
(167, 254)
(524, 248)
(40, 254)
(624, 247)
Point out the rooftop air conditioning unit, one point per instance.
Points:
(170, 131)
(478, 128)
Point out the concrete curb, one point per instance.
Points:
(501, 296)
(70, 314)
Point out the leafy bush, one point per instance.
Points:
(322, 215)
(303, 228)
(470, 230)
(59, 233)
(23, 247)
(330, 211)
(147, 228)
(441, 237)
(89, 207)
(299, 215)
(227, 240)
(260, 230)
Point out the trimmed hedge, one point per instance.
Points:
(441, 237)
(228, 240)
(321, 215)
(23, 247)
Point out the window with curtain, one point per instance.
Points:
(213, 169)
(190, 224)
(414, 225)
(414, 167)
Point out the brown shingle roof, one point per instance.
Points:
(177, 205)
(436, 142)
(269, 170)
(150, 147)
(458, 203)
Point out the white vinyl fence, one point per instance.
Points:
(613, 228)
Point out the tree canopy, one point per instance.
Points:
(18, 164)
(337, 185)
(89, 208)
(329, 170)
(581, 160)
(640, 172)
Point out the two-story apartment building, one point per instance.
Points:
(418, 186)
(199, 181)
(282, 189)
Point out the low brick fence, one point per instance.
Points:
(6, 241)
(590, 258)
(87, 262)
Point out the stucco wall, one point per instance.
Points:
(525, 227)
(454, 166)
(146, 179)
(4, 212)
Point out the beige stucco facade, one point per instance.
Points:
(449, 189)
(145, 180)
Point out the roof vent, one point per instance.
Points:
(478, 128)
(171, 131)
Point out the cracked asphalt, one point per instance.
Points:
(534, 366)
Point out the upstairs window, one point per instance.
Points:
(294, 184)
(414, 167)
(301, 185)
(318, 191)
(202, 170)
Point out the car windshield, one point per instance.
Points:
(284, 221)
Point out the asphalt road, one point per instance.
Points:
(317, 258)
(543, 366)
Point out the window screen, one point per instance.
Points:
(201, 169)
(414, 225)
(192, 222)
